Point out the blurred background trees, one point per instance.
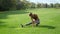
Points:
(23, 4)
(7, 4)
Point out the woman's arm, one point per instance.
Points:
(33, 22)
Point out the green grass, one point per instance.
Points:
(49, 17)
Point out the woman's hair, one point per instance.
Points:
(30, 14)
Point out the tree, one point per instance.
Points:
(57, 5)
(33, 5)
(27, 4)
(6, 4)
(38, 5)
(46, 5)
(22, 4)
(51, 5)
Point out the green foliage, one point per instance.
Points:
(23, 4)
(38, 5)
(33, 5)
(6, 4)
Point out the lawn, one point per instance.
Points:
(50, 21)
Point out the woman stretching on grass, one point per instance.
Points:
(35, 20)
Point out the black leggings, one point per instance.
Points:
(31, 23)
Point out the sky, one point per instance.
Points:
(45, 1)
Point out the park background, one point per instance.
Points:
(15, 12)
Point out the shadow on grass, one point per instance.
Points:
(46, 26)
(12, 27)
(16, 12)
(3, 15)
(2, 24)
(41, 26)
